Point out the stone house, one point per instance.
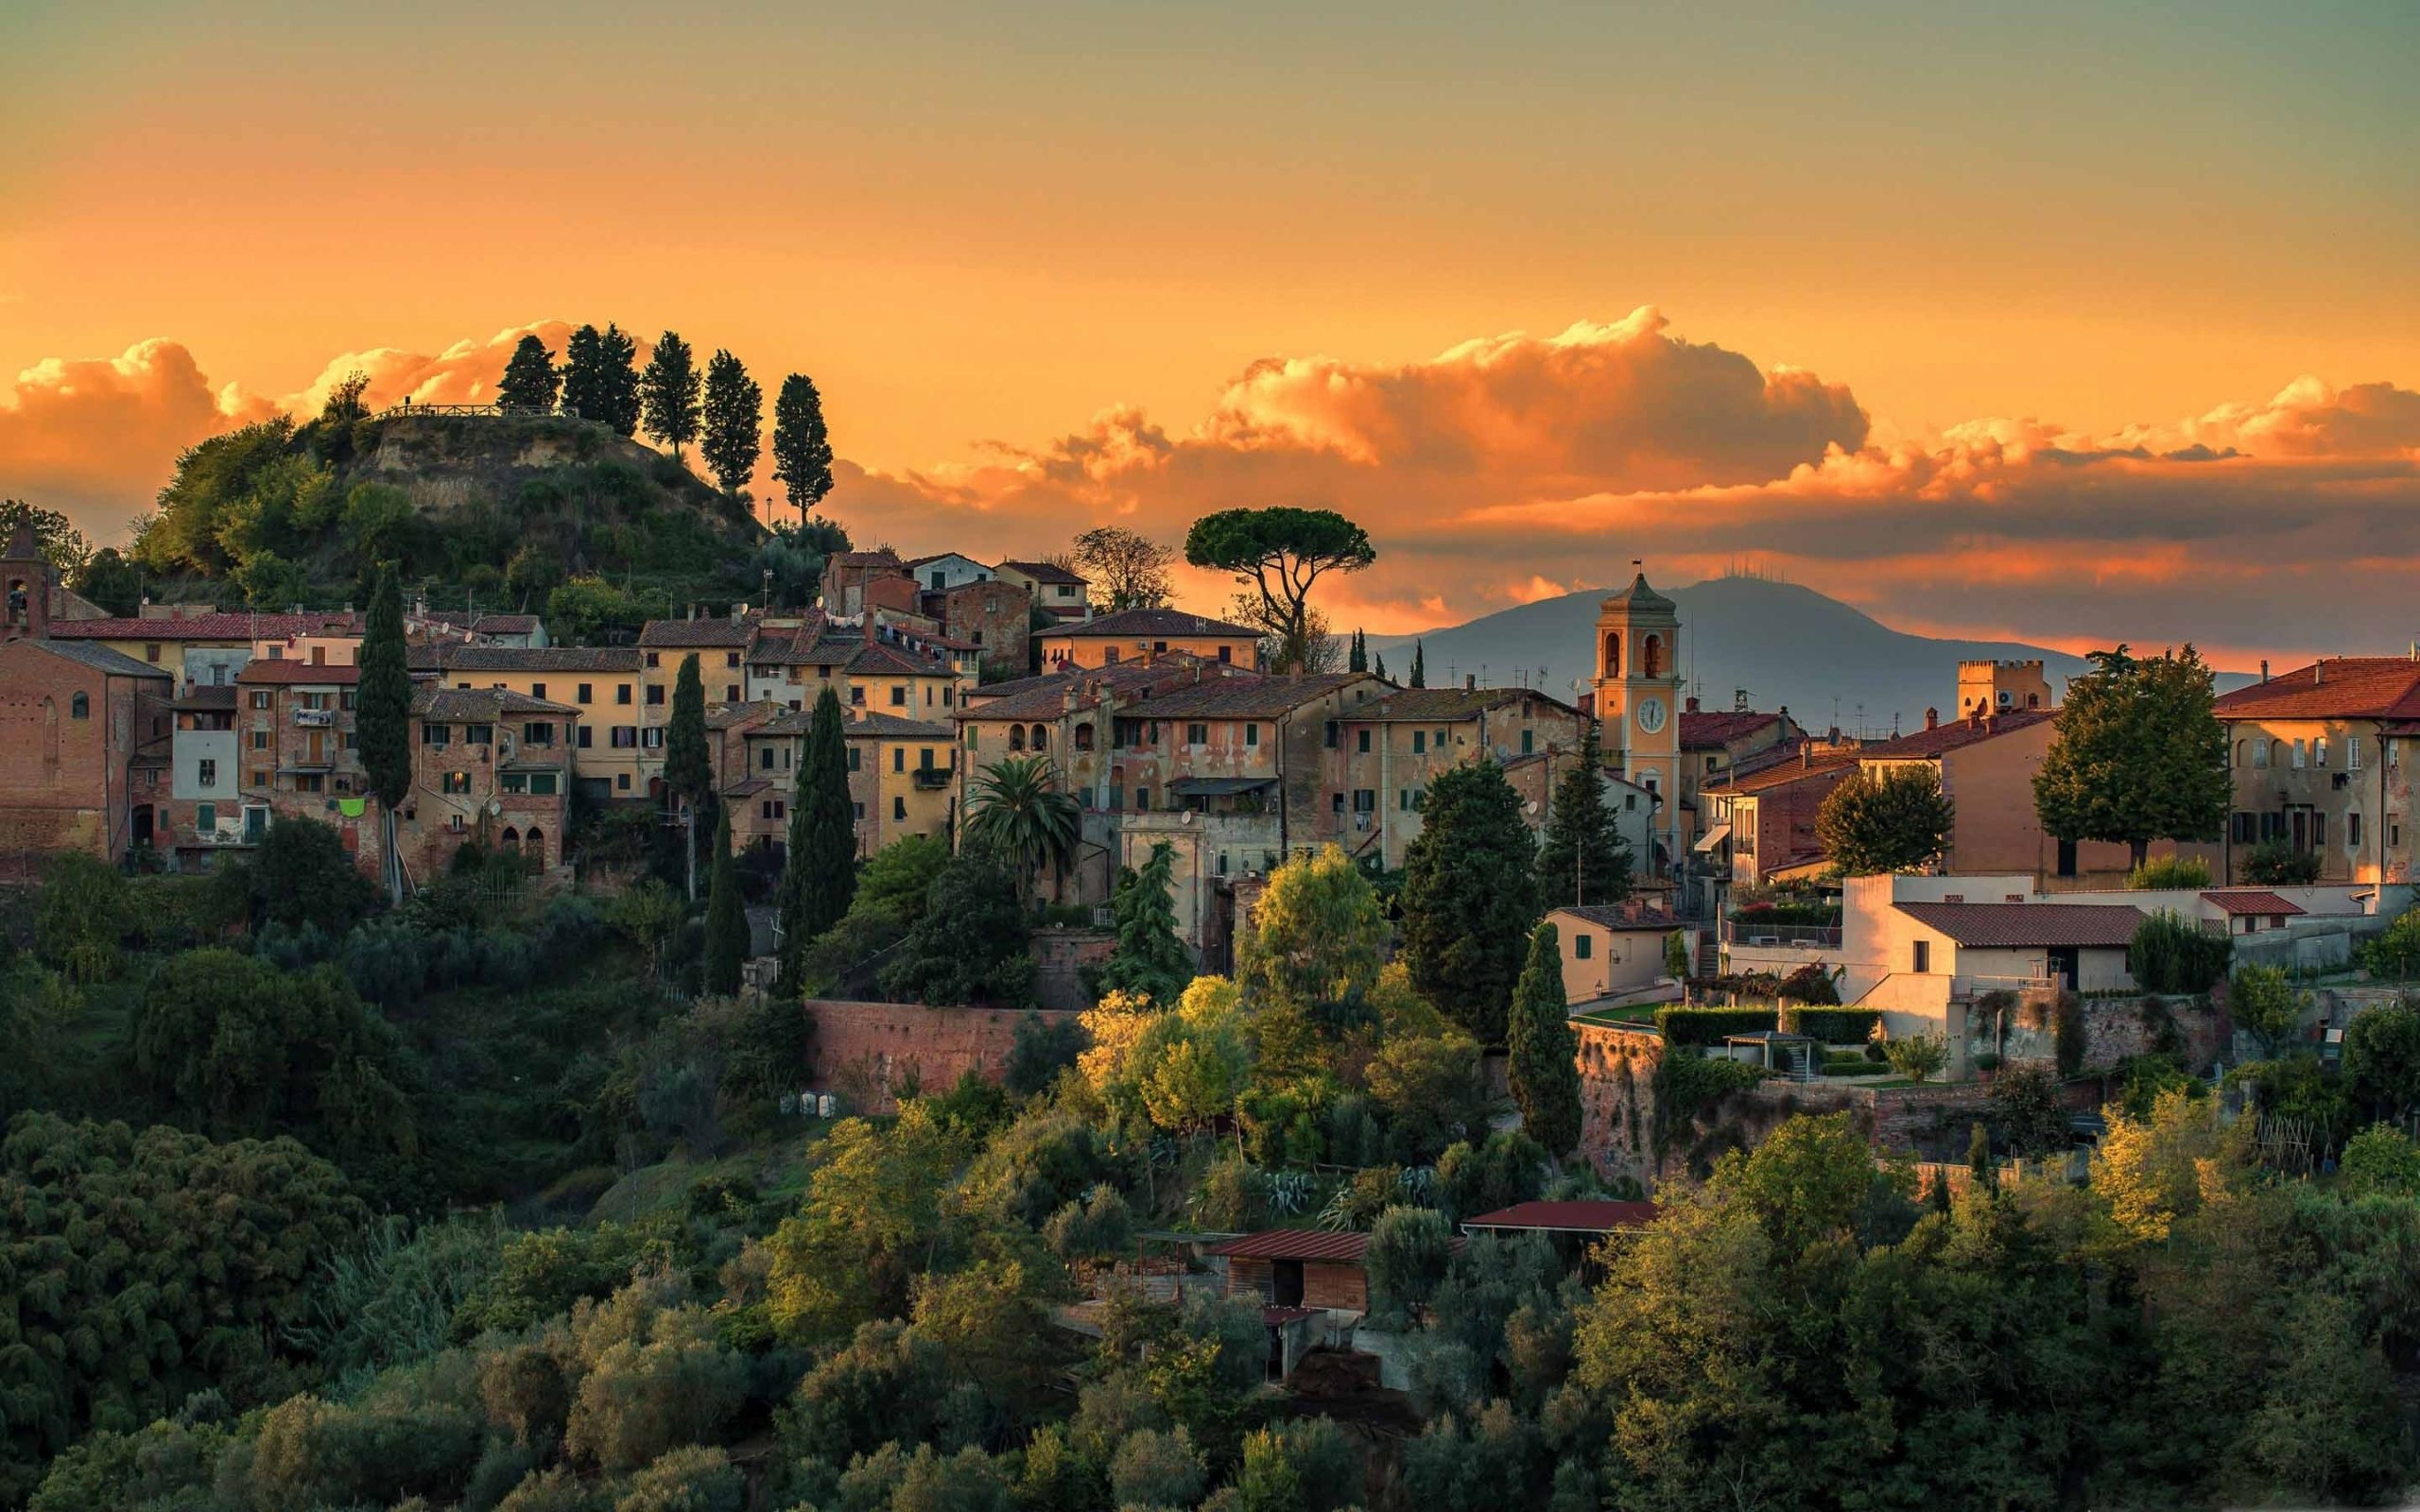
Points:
(1056, 591)
(1143, 633)
(617, 752)
(1387, 750)
(1610, 950)
(2315, 756)
(73, 718)
(490, 766)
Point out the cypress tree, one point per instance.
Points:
(1419, 665)
(618, 380)
(802, 445)
(1545, 1067)
(820, 873)
(1379, 667)
(1979, 1154)
(1583, 860)
(668, 393)
(1470, 897)
(382, 716)
(733, 436)
(1357, 659)
(529, 380)
(584, 390)
(726, 918)
(687, 770)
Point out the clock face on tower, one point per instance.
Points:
(1651, 714)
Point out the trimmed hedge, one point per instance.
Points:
(1706, 1026)
(1834, 1027)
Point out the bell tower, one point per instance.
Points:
(25, 579)
(1638, 686)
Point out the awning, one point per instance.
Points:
(1219, 786)
(1712, 837)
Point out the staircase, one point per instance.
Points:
(1710, 953)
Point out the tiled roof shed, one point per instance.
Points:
(699, 634)
(1607, 916)
(1294, 1243)
(1588, 1216)
(1987, 926)
(548, 659)
(1954, 734)
(2249, 900)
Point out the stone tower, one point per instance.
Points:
(1638, 689)
(25, 588)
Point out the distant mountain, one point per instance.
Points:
(1782, 644)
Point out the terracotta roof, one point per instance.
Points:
(789, 722)
(889, 661)
(2027, 924)
(1145, 622)
(715, 631)
(1786, 768)
(1638, 595)
(209, 627)
(1293, 1243)
(1715, 729)
(540, 659)
(885, 557)
(1585, 1216)
(875, 725)
(1615, 916)
(804, 648)
(102, 659)
(1042, 572)
(747, 788)
(207, 699)
(2249, 900)
(481, 703)
(1425, 705)
(2365, 687)
(1956, 734)
(1241, 699)
(726, 715)
(262, 669)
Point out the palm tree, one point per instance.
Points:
(1018, 814)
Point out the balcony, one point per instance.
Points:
(928, 779)
(316, 718)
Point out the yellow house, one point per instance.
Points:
(901, 776)
(618, 741)
(208, 650)
(1143, 634)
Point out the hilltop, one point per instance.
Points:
(1782, 642)
(500, 510)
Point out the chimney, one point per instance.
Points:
(1470, 683)
(1805, 755)
(1690, 705)
(2319, 672)
(2264, 669)
(1932, 719)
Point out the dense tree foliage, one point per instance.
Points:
(1277, 555)
(1151, 961)
(726, 918)
(818, 868)
(530, 382)
(1470, 895)
(802, 444)
(1018, 814)
(382, 717)
(1124, 569)
(669, 391)
(1544, 1068)
(731, 433)
(1899, 821)
(970, 944)
(1582, 858)
(2140, 755)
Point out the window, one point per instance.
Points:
(652, 660)
(457, 781)
(81, 707)
(898, 808)
(479, 734)
(1441, 742)
(765, 757)
(655, 694)
(1365, 801)
(2301, 754)
(1041, 737)
(586, 736)
(260, 777)
(856, 753)
(731, 693)
(2318, 831)
(622, 693)
(2260, 754)
(539, 733)
(730, 659)
(2319, 751)
(1142, 797)
(1361, 742)
(2241, 828)
(513, 783)
(1226, 653)
(348, 700)
(261, 699)
(537, 690)
(2395, 833)
(429, 735)
(652, 738)
(587, 693)
(2353, 831)
(1108, 656)
(1420, 743)
(2353, 753)
(622, 781)
(1333, 735)
(151, 651)
(1197, 734)
(205, 815)
(207, 770)
(1529, 741)
(1923, 956)
(857, 697)
(898, 758)
(260, 738)
(1630, 801)
(1582, 947)
(924, 758)
(625, 737)
(899, 696)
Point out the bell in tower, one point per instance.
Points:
(26, 580)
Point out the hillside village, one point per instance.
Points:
(893, 1012)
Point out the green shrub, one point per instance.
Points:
(2394, 953)
(1834, 1027)
(2068, 1036)
(2170, 873)
(2173, 953)
(2381, 1160)
(693, 1478)
(312, 1454)
(1409, 1248)
(670, 1381)
(1153, 1469)
(2277, 863)
(1707, 1027)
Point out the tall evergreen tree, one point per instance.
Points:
(1357, 659)
(382, 717)
(1419, 665)
(734, 423)
(802, 445)
(1470, 896)
(1149, 958)
(618, 380)
(689, 772)
(1379, 664)
(726, 918)
(1545, 1067)
(820, 873)
(530, 381)
(587, 390)
(1583, 860)
(668, 393)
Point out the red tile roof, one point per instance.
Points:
(2351, 687)
(699, 633)
(1041, 572)
(1715, 729)
(1955, 734)
(2249, 900)
(1294, 1243)
(1586, 1216)
(1615, 916)
(209, 627)
(1243, 698)
(2022, 925)
(1145, 622)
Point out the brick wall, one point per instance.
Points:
(865, 1051)
(1617, 1101)
(1060, 956)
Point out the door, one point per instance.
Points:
(315, 745)
(143, 825)
(2065, 966)
(1286, 1283)
(2302, 830)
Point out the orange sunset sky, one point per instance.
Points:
(2067, 322)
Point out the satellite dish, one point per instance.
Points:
(1531, 807)
(1185, 816)
(495, 806)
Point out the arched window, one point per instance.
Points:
(1652, 657)
(1041, 737)
(1083, 737)
(1612, 667)
(2238, 753)
(1016, 737)
(509, 841)
(80, 707)
(534, 845)
(2260, 754)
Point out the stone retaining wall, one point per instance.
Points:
(866, 1053)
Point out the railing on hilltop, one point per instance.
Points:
(406, 407)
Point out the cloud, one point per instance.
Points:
(466, 372)
(98, 437)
